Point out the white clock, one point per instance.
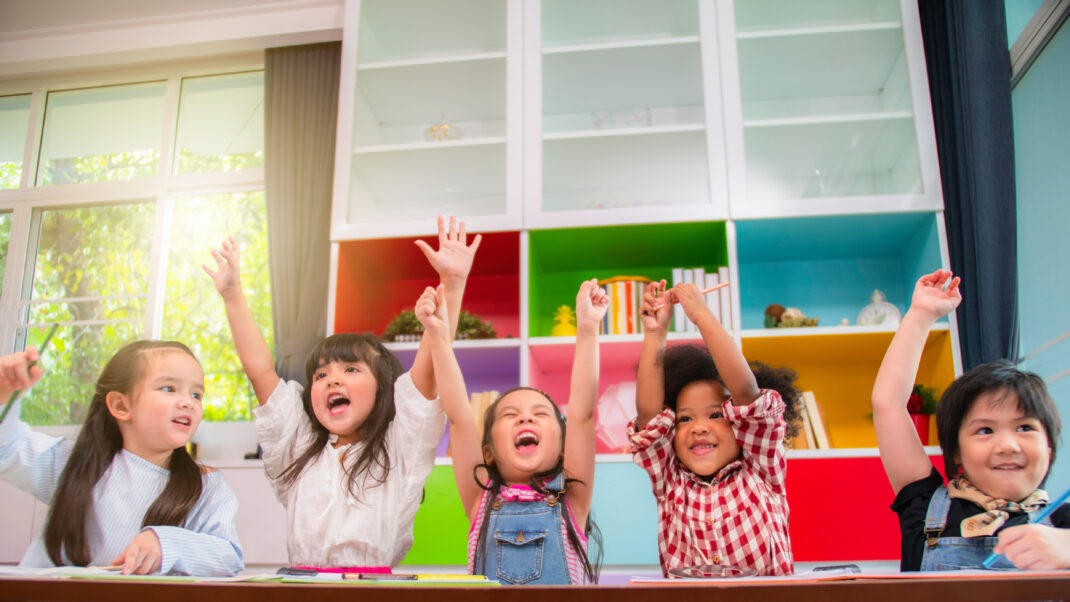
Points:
(879, 312)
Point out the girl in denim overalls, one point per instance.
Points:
(526, 487)
(997, 427)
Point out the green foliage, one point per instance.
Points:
(10, 174)
(188, 162)
(5, 236)
(101, 168)
(469, 326)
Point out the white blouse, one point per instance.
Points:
(326, 526)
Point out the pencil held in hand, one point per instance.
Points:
(701, 292)
(41, 350)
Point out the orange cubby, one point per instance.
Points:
(380, 278)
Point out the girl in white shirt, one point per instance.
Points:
(348, 454)
(126, 492)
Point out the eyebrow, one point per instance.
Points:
(168, 378)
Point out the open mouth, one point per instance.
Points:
(1007, 467)
(701, 448)
(526, 442)
(337, 403)
(182, 420)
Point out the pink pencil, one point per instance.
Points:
(701, 292)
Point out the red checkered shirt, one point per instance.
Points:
(750, 525)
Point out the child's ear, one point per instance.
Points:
(488, 456)
(118, 405)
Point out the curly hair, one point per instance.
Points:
(685, 364)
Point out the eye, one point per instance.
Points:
(1026, 428)
(984, 430)
(167, 389)
(319, 375)
(352, 369)
(683, 419)
(716, 415)
(197, 396)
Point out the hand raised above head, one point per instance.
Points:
(936, 295)
(227, 275)
(656, 310)
(591, 303)
(431, 310)
(453, 259)
(691, 300)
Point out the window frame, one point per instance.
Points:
(27, 203)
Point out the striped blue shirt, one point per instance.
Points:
(206, 544)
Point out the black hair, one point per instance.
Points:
(999, 376)
(685, 364)
(93, 452)
(494, 482)
(350, 347)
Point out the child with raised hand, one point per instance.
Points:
(126, 492)
(997, 427)
(710, 433)
(526, 486)
(347, 453)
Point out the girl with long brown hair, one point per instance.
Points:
(126, 492)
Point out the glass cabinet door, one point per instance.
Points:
(826, 100)
(429, 110)
(623, 123)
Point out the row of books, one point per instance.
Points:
(625, 298)
(813, 430)
(719, 302)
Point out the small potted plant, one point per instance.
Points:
(921, 405)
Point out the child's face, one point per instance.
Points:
(1003, 452)
(704, 440)
(165, 407)
(343, 395)
(525, 438)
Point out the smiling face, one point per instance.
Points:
(1003, 452)
(525, 437)
(704, 440)
(164, 409)
(343, 395)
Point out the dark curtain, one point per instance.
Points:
(970, 85)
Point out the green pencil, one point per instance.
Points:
(7, 407)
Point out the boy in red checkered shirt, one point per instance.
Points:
(712, 441)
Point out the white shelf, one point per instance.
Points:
(636, 131)
(422, 93)
(759, 15)
(466, 180)
(619, 45)
(444, 144)
(655, 170)
(431, 60)
(569, 23)
(460, 344)
(410, 29)
(818, 30)
(753, 333)
(620, 78)
(825, 119)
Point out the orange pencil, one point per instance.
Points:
(701, 292)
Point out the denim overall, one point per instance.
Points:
(958, 553)
(523, 541)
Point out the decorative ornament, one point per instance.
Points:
(442, 131)
(879, 311)
(564, 322)
(405, 327)
(778, 316)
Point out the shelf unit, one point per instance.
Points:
(792, 143)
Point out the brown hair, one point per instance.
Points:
(495, 481)
(94, 451)
(349, 347)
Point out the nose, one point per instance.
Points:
(185, 402)
(1007, 443)
(700, 427)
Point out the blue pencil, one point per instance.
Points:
(1051, 508)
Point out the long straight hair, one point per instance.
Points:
(94, 450)
(495, 481)
(373, 461)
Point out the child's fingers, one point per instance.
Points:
(453, 228)
(441, 231)
(461, 236)
(426, 248)
(475, 242)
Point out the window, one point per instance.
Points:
(119, 261)
(221, 123)
(109, 133)
(193, 312)
(14, 119)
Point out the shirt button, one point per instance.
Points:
(716, 560)
(709, 520)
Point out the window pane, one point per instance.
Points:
(14, 121)
(193, 312)
(91, 274)
(110, 133)
(5, 237)
(221, 123)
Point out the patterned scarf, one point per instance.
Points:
(996, 512)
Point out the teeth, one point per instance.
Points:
(526, 439)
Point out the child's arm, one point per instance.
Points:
(18, 372)
(650, 377)
(432, 311)
(733, 368)
(901, 450)
(453, 262)
(1035, 547)
(253, 350)
(591, 306)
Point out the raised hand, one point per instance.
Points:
(453, 260)
(227, 276)
(691, 300)
(142, 556)
(18, 371)
(936, 295)
(591, 304)
(431, 311)
(656, 311)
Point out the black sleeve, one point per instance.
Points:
(911, 504)
(1061, 517)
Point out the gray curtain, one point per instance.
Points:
(300, 116)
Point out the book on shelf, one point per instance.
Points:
(625, 295)
(713, 301)
(678, 317)
(817, 420)
(719, 302)
(725, 297)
